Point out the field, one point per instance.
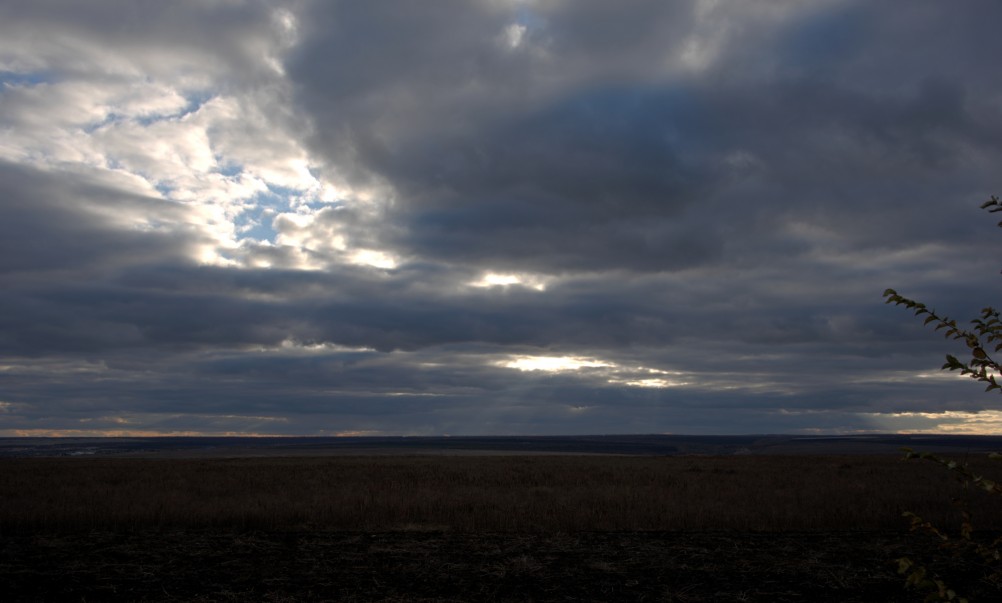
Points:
(474, 528)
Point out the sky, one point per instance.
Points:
(493, 216)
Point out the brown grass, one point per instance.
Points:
(482, 494)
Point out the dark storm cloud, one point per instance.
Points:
(189, 306)
(482, 154)
(163, 39)
(68, 223)
(612, 169)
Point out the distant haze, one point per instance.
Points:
(493, 216)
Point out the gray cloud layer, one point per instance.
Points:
(251, 218)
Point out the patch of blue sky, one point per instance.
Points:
(284, 192)
(32, 78)
(228, 169)
(296, 197)
(164, 189)
(526, 17)
(149, 120)
(256, 222)
(319, 203)
(195, 101)
(109, 119)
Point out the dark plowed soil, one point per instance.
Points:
(443, 566)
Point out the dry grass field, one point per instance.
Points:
(481, 494)
(473, 528)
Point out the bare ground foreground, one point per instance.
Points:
(442, 566)
(480, 528)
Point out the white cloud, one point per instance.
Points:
(188, 125)
(513, 35)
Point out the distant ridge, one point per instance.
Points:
(647, 445)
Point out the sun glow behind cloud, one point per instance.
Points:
(607, 372)
(376, 259)
(553, 364)
(952, 422)
(652, 382)
(496, 279)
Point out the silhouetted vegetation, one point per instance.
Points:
(982, 339)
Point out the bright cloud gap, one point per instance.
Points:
(612, 373)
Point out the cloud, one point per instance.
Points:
(321, 217)
(623, 164)
(75, 222)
